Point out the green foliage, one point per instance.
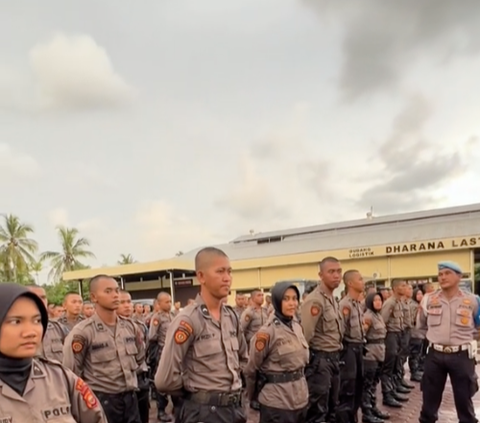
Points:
(126, 259)
(57, 291)
(477, 273)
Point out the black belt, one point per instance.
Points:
(376, 341)
(353, 343)
(326, 354)
(284, 377)
(217, 399)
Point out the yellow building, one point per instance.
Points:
(405, 246)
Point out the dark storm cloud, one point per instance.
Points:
(412, 166)
(383, 39)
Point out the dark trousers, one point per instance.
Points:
(276, 415)
(351, 383)
(392, 350)
(143, 399)
(371, 378)
(161, 400)
(399, 371)
(415, 357)
(191, 412)
(323, 379)
(120, 408)
(461, 370)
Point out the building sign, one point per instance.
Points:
(181, 283)
(360, 252)
(433, 245)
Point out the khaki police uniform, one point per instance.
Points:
(449, 327)
(416, 353)
(52, 394)
(68, 323)
(108, 358)
(239, 310)
(279, 353)
(351, 373)
(52, 345)
(323, 329)
(252, 319)
(202, 360)
(143, 393)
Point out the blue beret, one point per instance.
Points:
(451, 266)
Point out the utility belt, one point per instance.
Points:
(455, 349)
(333, 355)
(284, 377)
(375, 341)
(217, 399)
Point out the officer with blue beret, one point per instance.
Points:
(447, 317)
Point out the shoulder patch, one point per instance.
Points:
(155, 322)
(367, 321)
(78, 344)
(314, 310)
(86, 394)
(345, 311)
(183, 332)
(261, 339)
(247, 317)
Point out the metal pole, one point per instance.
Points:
(172, 293)
(80, 288)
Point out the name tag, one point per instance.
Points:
(434, 311)
(56, 412)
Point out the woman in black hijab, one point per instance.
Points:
(416, 345)
(278, 356)
(31, 388)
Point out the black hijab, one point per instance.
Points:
(370, 299)
(278, 292)
(15, 372)
(414, 294)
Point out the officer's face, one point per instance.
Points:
(331, 274)
(88, 310)
(126, 307)
(240, 300)
(357, 283)
(377, 302)
(289, 303)
(257, 298)
(107, 294)
(147, 309)
(73, 304)
(138, 308)
(58, 311)
(21, 331)
(217, 276)
(165, 302)
(40, 292)
(448, 278)
(419, 297)
(408, 291)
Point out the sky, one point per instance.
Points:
(175, 124)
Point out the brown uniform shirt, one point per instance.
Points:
(69, 324)
(144, 331)
(448, 322)
(252, 320)
(239, 310)
(414, 307)
(107, 358)
(375, 332)
(202, 354)
(407, 317)
(52, 394)
(392, 314)
(159, 326)
(52, 345)
(276, 349)
(321, 321)
(352, 311)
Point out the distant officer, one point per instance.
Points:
(278, 355)
(402, 386)
(415, 358)
(106, 350)
(240, 303)
(54, 337)
(392, 314)
(447, 316)
(323, 328)
(88, 309)
(255, 316)
(268, 304)
(72, 304)
(351, 373)
(205, 349)
(156, 343)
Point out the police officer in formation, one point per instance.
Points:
(447, 317)
(278, 356)
(36, 389)
(255, 316)
(416, 347)
(72, 304)
(205, 349)
(107, 350)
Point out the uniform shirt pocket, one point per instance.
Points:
(329, 320)
(104, 355)
(131, 348)
(57, 347)
(463, 318)
(434, 316)
(234, 343)
(207, 348)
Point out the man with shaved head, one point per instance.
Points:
(205, 349)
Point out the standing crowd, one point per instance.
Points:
(296, 360)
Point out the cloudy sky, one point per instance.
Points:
(173, 124)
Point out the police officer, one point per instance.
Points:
(240, 302)
(323, 328)
(36, 389)
(415, 358)
(54, 336)
(143, 394)
(255, 316)
(402, 386)
(447, 316)
(205, 349)
(107, 350)
(88, 309)
(72, 303)
(156, 343)
(351, 373)
(392, 314)
(278, 355)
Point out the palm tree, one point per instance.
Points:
(73, 250)
(36, 267)
(17, 249)
(179, 253)
(126, 259)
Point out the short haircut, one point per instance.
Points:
(70, 293)
(92, 285)
(203, 255)
(328, 259)
(397, 282)
(162, 294)
(239, 294)
(348, 275)
(87, 303)
(255, 291)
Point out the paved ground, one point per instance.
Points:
(410, 412)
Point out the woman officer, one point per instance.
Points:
(278, 355)
(35, 389)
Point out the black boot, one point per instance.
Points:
(416, 377)
(407, 385)
(399, 397)
(390, 401)
(402, 390)
(380, 414)
(369, 417)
